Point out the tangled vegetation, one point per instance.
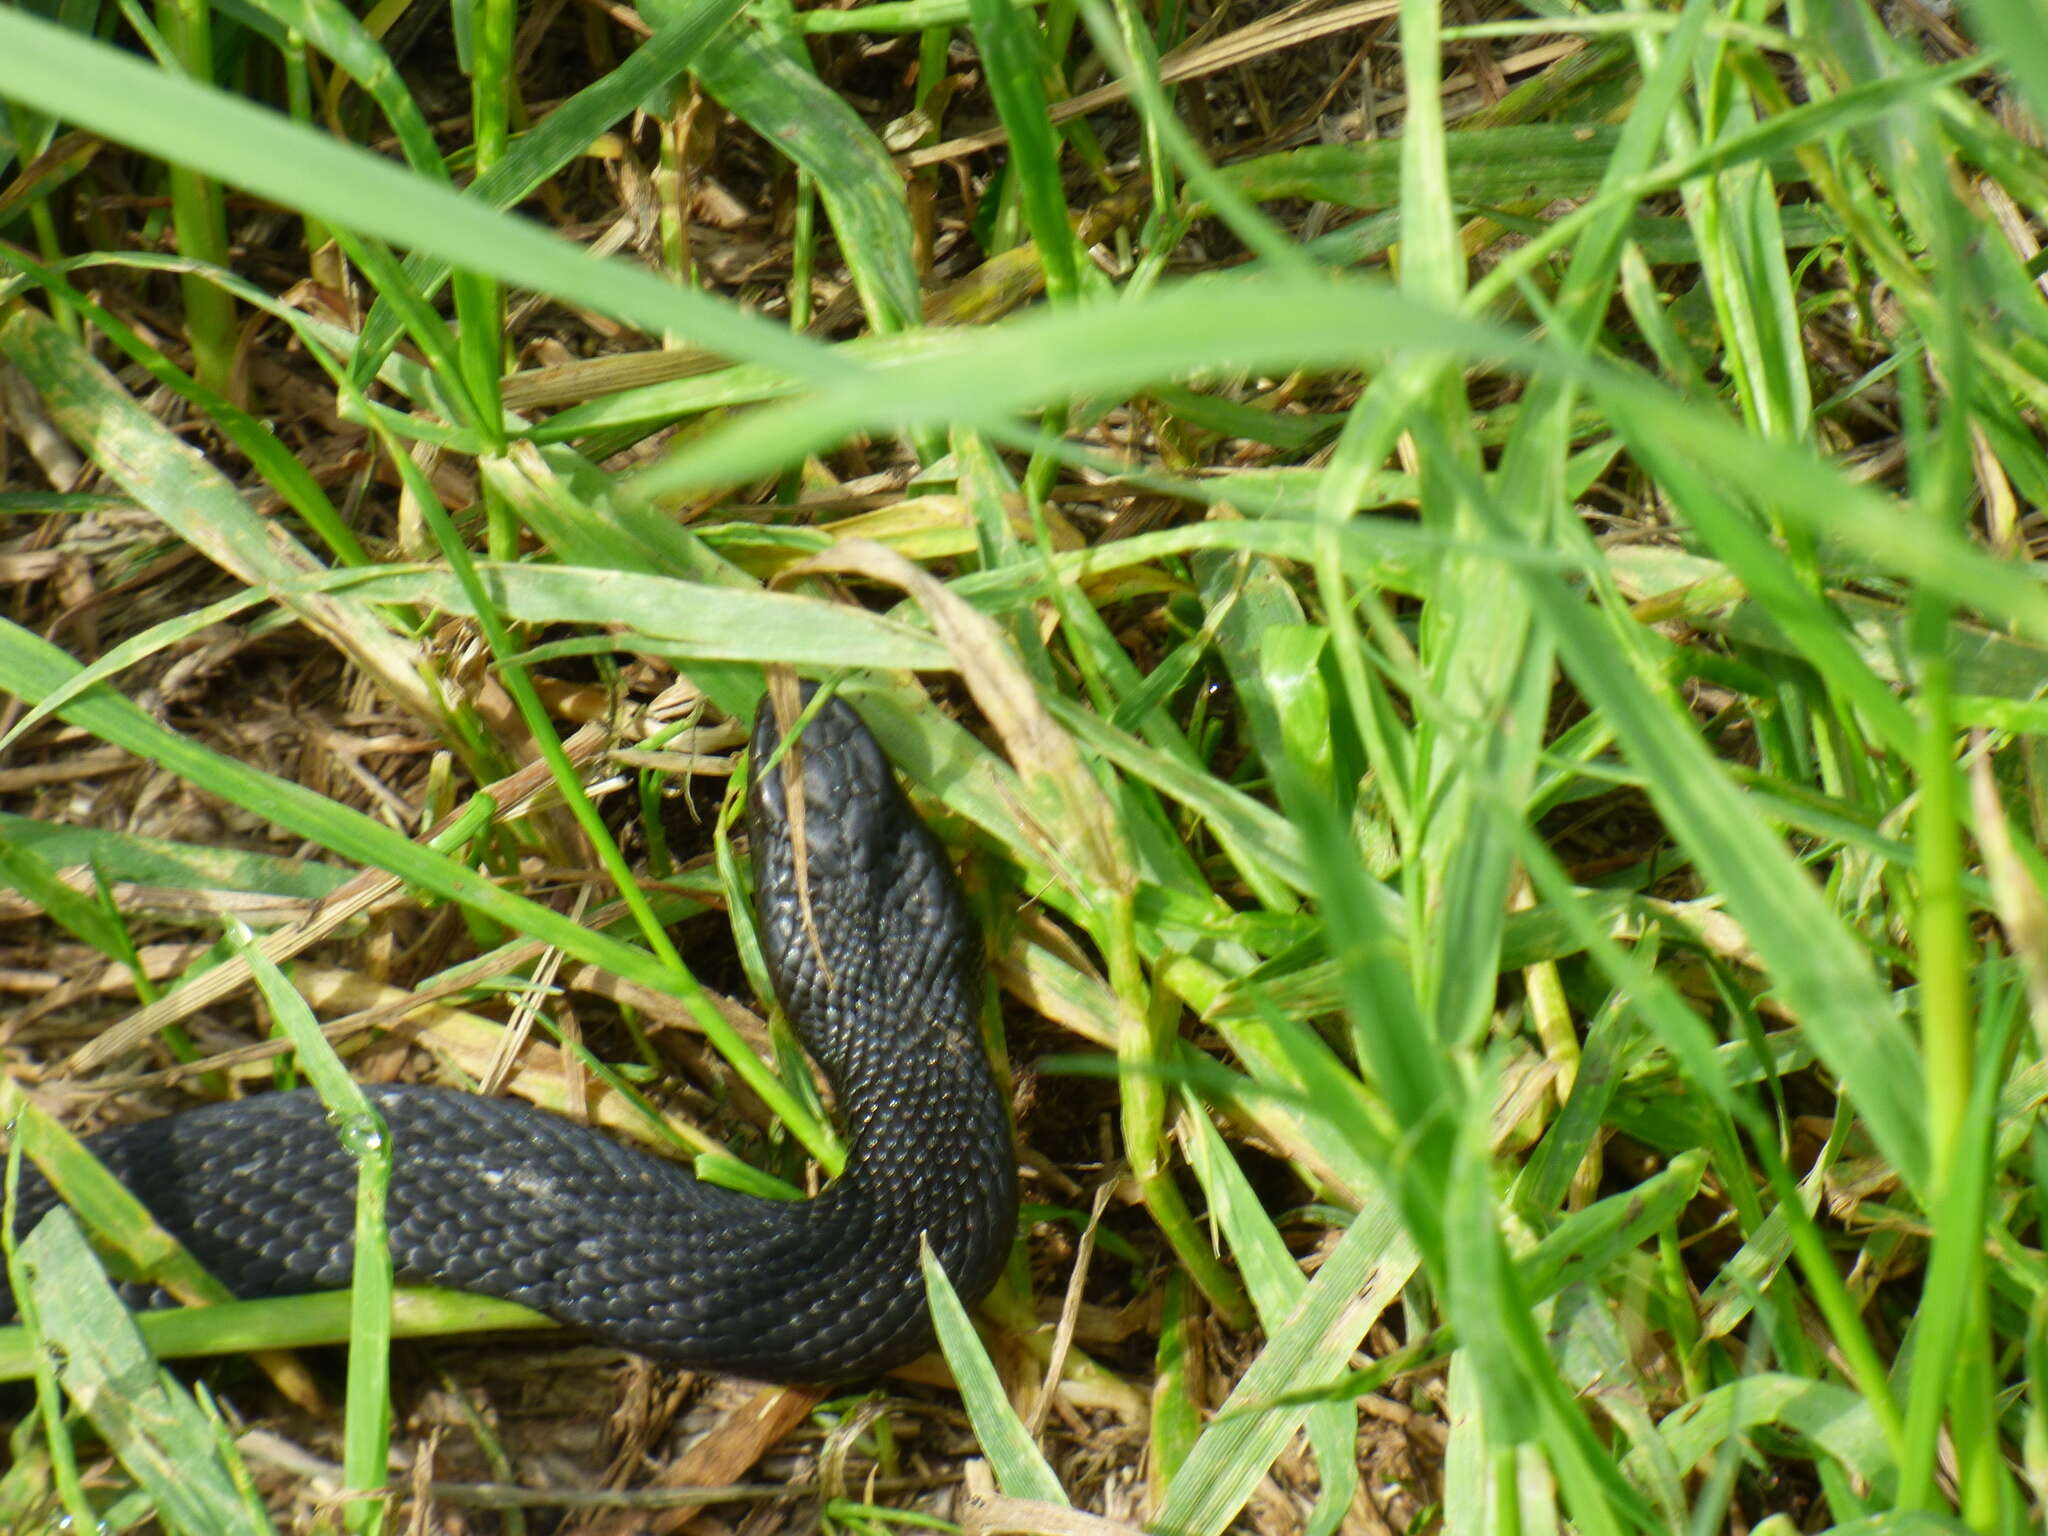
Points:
(1460, 579)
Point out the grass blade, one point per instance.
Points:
(367, 1426)
(1020, 1470)
(151, 1423)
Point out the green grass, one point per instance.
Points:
(1509, 731)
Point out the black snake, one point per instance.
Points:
(878, 964)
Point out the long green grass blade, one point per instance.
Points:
(151, 1422)
(367, 1426)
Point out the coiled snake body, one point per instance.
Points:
(878, 965)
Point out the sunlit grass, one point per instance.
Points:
(1538, 804)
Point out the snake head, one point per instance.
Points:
(850, 808)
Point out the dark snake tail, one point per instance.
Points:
(883, 983)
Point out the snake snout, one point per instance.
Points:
(846, 783)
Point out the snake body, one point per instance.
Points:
(878, 965)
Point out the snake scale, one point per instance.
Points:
(878, 964)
